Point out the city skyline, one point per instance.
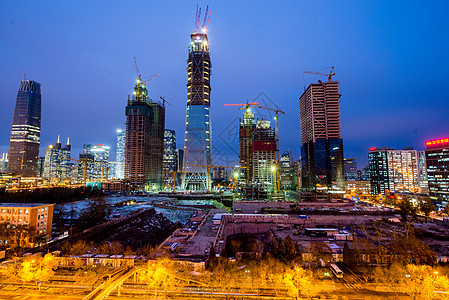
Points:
(388, 57)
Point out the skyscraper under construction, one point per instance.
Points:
(321, 142)
(144, 146)
(26, 130)
(198, 133)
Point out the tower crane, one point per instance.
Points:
(164, 101)
(245, 105)
(276, 111)
(139, 78)
(329, 76)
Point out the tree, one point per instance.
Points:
(80, 247)
(89, 275)
(97, 212)
(159, 275)
(35, 268)
(300, 282)
(407, 210)
(426, 206)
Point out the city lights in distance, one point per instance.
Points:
(437, 142)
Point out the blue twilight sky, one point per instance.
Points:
(391, 58)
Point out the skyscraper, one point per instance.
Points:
(170, 159)
(263, 156)
(26, 130)
(321, 142)
(4, 162)
(422, 170)
(120, 154)
(57, 164)
(393, 170)
(350, 169)
(144, 147)
(98, 169)
(437, 160)
(198, 133)
(246, 129)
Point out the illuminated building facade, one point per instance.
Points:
(97, 160)
(246, 129)
(36, 216)
(86, 168)
(393, 170)
(4, 162)
(350, 169)
(422, 169)
(437, 160)
(287, 171)
(170, 156)
(120, 154)
(144, 146)
(26, 130)
(198, 133)
(263, 154)
(57, 165)
(112, 169)
(321, 142)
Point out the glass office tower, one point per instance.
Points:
(26, 130)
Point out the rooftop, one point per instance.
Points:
(23, 204)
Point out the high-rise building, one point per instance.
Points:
(179, 159)
(112, 170)
(26, 130)
(321, 142)
(393, 170)
(40, 166)
(246, 129)
(57, 165)
(170, 159)
(120, 154)
(86, 168)
(198, 133)
(422, 171)
(263, 158)
(287, 171)
(144, 147)
(4, 162)
(437, 160)
(350, 169)
(99, 168)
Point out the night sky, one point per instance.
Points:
(391, 58)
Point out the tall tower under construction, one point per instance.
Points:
(198, 133)
(144, 146)
(321, 142)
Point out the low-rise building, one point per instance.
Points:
(37, 217)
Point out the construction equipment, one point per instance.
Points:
(277, 111)
(139, 78)
(246, 106)
(205, 21)
(329, 76)
(174, 177)
(164, 101)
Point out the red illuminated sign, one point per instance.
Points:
(372, 149)
(437, 142)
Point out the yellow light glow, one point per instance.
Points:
(204, 30)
